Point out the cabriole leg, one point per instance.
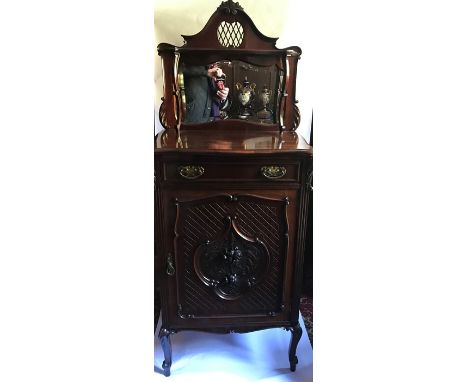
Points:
(165, 341)
(296, 333)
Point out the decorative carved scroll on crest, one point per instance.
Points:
(232, 264)
(230, 7)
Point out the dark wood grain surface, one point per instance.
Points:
(231, 141)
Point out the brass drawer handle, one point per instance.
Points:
(191, 172)
(273, 172)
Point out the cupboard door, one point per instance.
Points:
(230, 253)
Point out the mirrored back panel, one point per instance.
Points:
(230, 90)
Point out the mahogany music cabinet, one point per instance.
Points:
(232, 182)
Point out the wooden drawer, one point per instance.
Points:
(200, 171)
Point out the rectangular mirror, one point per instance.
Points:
(229, 89)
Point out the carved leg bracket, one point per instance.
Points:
(296, 333)
(165, 341)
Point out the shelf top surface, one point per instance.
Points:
(230, 141)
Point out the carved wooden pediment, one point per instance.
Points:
(230, 27)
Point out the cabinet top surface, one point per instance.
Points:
(230, 141)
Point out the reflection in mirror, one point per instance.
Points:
(229, 90)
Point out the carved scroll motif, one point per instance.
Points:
(230, 7)
(162, 113)
(232, 264)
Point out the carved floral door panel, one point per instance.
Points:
(230, 253)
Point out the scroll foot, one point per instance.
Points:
(296, 333)
(165, 341)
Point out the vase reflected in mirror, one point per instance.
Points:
(246, 94)
(265, 113)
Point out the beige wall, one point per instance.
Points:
(273, 18)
